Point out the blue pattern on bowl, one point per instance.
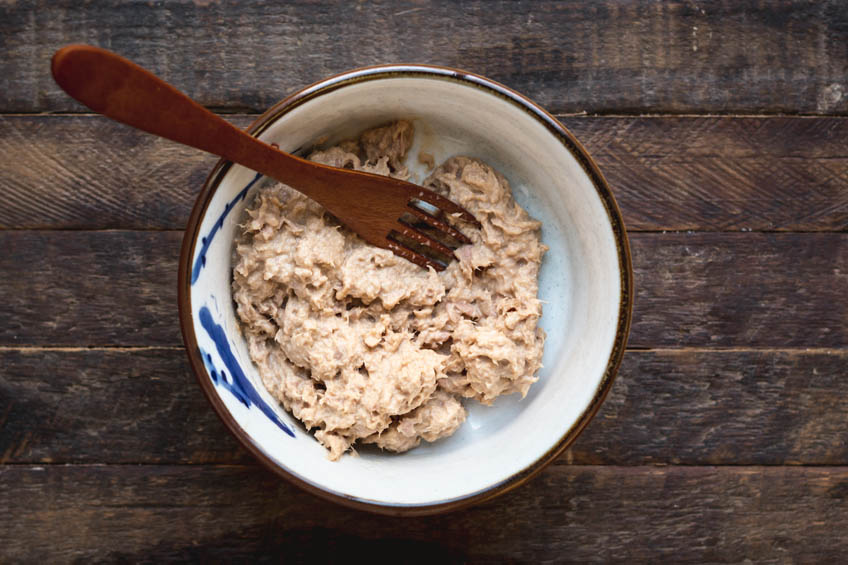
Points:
(239, 385)
(206, 241)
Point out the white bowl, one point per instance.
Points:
(585, 283)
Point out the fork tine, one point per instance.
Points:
(411, 255)
(446, 205)
(439, 224)
(424, 239)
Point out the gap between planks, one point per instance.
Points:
(43, 466)
(841, 351)
(631, 230)
(74, 349)
(243, 111)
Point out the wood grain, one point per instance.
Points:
(89, 288)
(608, 56)
(670, 173)
(739, 347)
(714, 174)
(567, 514)
(107, 405)
(738, 407)
(740, 290)
(118, 288)
(672, 407)
(90, 172)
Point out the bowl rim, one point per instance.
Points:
(465, 78)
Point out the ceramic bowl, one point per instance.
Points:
(585, 283)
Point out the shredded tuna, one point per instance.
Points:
(361, 345)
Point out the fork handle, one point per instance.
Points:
(115, 87)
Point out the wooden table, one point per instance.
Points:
(721, 129)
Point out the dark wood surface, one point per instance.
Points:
(724, 437)
(668, 173)
(692, 289)
(570, 513)
(703, 406)
(597, 56)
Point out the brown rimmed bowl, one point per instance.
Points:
(586, 284)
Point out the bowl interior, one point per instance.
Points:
(580, 284)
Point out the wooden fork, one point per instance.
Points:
(370, 205)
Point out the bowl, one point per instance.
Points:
(585, 284)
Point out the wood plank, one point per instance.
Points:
(668, 173)
(713, 174)
(703, 289)
(73, 172)
(89, 288)
(608, 56)
(673, 407)
(738, 407)
(567, 514)
(740, 290)
(107, 406)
